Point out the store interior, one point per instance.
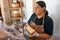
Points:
(14, 14)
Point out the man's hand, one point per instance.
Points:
(41, 35)
(36, 34)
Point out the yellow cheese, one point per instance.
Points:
(15, 5)
(30, 30)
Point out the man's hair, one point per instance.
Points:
(41, 3)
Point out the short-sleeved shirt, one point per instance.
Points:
(48, 23)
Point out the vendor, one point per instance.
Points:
(40, 17)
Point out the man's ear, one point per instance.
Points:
(44, 8)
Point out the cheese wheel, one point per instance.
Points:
(15, 15)
(15, 5)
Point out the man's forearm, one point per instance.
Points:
(44, 35)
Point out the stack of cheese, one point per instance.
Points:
(30, 30)
(15, 14)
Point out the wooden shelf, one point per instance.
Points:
(16, 18)
(14, 8)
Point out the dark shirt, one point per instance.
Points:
(48, 23)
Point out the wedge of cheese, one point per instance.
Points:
(30, 30)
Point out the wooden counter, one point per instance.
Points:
(2, 34)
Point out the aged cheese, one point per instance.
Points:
(30, 30)
(15, 15)
(15, 5)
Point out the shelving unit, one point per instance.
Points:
(15, 9)
(15, 16)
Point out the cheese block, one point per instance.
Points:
(15, 11)
(15, 5)
(30, 30)
(15, 15)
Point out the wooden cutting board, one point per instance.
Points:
(2, 34)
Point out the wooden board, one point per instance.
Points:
(2, 34)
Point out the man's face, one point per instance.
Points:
(38, 9)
